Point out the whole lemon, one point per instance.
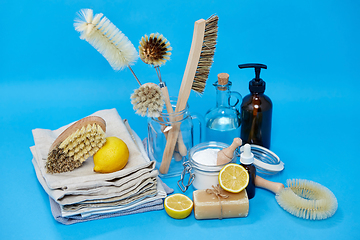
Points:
(112, 157)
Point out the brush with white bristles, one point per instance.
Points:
(302, 198)
(116, 48)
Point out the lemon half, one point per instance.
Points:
(112, 157)
(233, 178)
(178, 206)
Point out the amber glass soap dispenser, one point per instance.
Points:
(256, 110)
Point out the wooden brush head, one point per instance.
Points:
(78, 142)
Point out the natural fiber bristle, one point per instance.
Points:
(105, 37)
(75, 149)
(148, 100)
(154, 50)
(307, 199)
(207, 54)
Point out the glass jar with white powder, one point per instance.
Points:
(202, 164)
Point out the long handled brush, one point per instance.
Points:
(302, 198)
(117, 49)
(155, 50)
(196, 73)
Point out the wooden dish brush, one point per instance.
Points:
(155, 50)
(77, 143)
(195, 75)
(302, 198)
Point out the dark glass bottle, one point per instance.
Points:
(250, 189)
(247, 161)
(256, 111)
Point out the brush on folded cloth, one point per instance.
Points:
(141, 171)
(85, 175)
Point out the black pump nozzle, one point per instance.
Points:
(256, 85)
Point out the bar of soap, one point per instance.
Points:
(207, 206)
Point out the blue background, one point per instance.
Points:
(49, 78)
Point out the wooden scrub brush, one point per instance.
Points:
(108, 40)
(77, 143)
(302, 198)
(197, 70)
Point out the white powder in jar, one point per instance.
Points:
(206, 157)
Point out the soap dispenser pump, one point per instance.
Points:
(256, 110)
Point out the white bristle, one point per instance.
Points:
(307, 199)
(106, 38)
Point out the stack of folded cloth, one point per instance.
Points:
(83, 195)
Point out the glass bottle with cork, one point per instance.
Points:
(224, 120)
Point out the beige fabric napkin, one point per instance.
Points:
(146, 189)
(84, 176)
(87, 212)
(66, 196)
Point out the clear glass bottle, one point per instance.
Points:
(224, 120)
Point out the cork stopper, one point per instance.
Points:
(223, 79)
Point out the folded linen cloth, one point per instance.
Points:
(84, 176)
(146, 207)
(149, 190)
(88, 211)
(129, 185)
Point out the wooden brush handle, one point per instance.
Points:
(274, 187)
(180, 141)
(78, 125)
(185, 89)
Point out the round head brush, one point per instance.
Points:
(77, 143)
(148, 100)
(155, 50)
(302, 198)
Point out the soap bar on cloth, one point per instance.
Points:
(207, 205)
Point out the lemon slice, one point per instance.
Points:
(178, 206)
(233, 178)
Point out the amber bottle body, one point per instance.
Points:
(256, 113)
(250, 189)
